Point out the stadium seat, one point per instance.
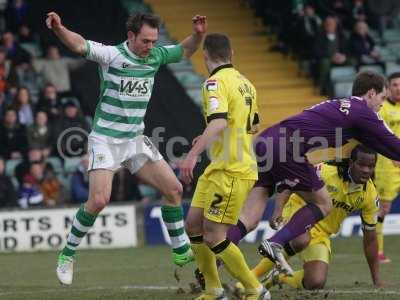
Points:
(374, 68)
(70, 164)
(391, 68)
(55, 163)
(342, 89)
(392, 35)
(10, 166)
(340, 74)
(387, 54)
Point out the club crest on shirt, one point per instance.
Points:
(100, 158)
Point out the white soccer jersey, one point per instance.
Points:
(126, 83)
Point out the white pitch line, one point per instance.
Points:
(94, 288)
(354, 292)
(163, 288)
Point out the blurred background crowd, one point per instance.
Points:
(37, 104)
(323, 34)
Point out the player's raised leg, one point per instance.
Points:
(100, 183)
(160, 176)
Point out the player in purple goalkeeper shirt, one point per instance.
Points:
(283, 167)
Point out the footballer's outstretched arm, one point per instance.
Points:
(370, 243)
(193, 41)
(74, 41)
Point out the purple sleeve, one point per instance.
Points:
(374, 133)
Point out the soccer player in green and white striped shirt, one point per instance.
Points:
(127, 75)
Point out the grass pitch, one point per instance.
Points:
(147, 273)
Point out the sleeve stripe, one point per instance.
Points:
(87, 51)
(217, 116)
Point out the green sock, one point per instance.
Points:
(82, 223)
(173, 220)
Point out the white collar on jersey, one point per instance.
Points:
(129, 51)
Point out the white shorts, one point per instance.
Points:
(132, 154)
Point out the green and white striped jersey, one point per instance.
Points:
(126, 83)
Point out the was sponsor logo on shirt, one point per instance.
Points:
(134, 87)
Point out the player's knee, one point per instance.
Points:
(174, 193)
(210, 239)
(98, 201)
(314, 283)
(301, 242)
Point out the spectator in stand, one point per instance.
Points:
(14, 51)
(125, 188)
(10, 94)
(80, 182)
(382, 12)
(3, 104)
(308, 27)
(50, 103)
(23, 107)
(34, 156)
(51, 187)
(16, 14)
(8, 195)
(359, 11)
(13, 139)
(26, 35)
(55, 69)
(7, 71)
(330, 49)
(362, 46)
(342, 10)
(27, 77)
(72, 118)
(30, 193)
(39, 134)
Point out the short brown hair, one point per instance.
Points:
(394, 75)
(366, 81)
(218, 47)
(136, 21)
